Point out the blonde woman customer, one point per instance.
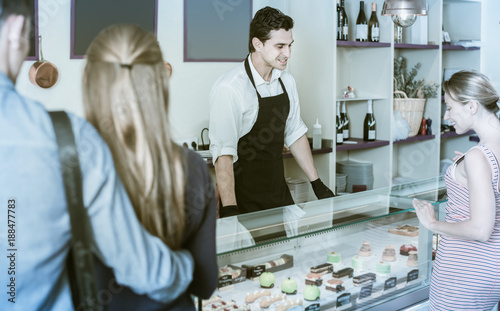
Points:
(126, 97)
(466, 273)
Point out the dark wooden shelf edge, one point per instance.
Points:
(361, 144)
(460, 48)
(286, 155)
(416, 46)
(450, 134)
(415, 138)
(363, 44)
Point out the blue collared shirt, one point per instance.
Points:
(34, 244)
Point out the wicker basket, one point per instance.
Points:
(412, 110)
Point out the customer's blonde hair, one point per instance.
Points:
(467, 85)
(125, 93)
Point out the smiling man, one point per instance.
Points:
(254, 112)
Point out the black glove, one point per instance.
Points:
(321, 190)
(228, 211)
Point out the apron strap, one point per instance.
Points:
(249, 73)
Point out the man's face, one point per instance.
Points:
(278, 48)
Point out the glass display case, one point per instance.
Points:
(353, 252)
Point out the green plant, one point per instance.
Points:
(405, 81)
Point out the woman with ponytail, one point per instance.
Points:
(466, 273)
(125, 94)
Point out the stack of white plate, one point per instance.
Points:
(299, 189)
(358, 173)
(340, 182)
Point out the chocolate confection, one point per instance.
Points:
(323, 268)
(335, 285)
(346, 272)
(363, 279)
(314, 279)
(405, 249)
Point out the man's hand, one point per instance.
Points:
(321, 190)
(228, 211)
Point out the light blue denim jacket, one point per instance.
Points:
(30, 175)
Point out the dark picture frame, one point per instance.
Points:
(33, 53)
(89, 17)
(216, 31)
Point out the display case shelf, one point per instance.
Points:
(359, 143)
(459, 47)
(416, 46)
(363, 44)
(288, 155)
(452, 134)
(414, 139)
(359, 98)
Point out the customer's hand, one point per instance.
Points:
(425, 213)
(321, 190)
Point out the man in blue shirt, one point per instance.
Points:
(35, 229)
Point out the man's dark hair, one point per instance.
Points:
(13, 7)
(265, 20)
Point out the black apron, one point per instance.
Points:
(259, 173)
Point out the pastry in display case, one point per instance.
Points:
(341, 256)
(406, 248)
(365, 250)
(389, 253)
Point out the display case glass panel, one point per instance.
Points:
(358, 251)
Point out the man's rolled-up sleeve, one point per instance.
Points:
(295, 127)
(225, 122)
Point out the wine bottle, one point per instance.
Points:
(340, 21)
(398, 34)
(345, 122)
(340, 126)
(369, 126)
(373, 25)
(345, 22)
(361, 24)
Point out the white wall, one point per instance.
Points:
(190, 83)
(490, 51)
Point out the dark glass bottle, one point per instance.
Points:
(340, 127)
(345, 22)
(361, 24)
(369, 126)
(345, 122)
(340, 21)
(373, 25)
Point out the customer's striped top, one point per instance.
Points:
(466, 274)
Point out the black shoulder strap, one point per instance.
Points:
(80, 260)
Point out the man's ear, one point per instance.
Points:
(257, 44)
(15, 26)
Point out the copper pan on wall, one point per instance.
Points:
(42, 73)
